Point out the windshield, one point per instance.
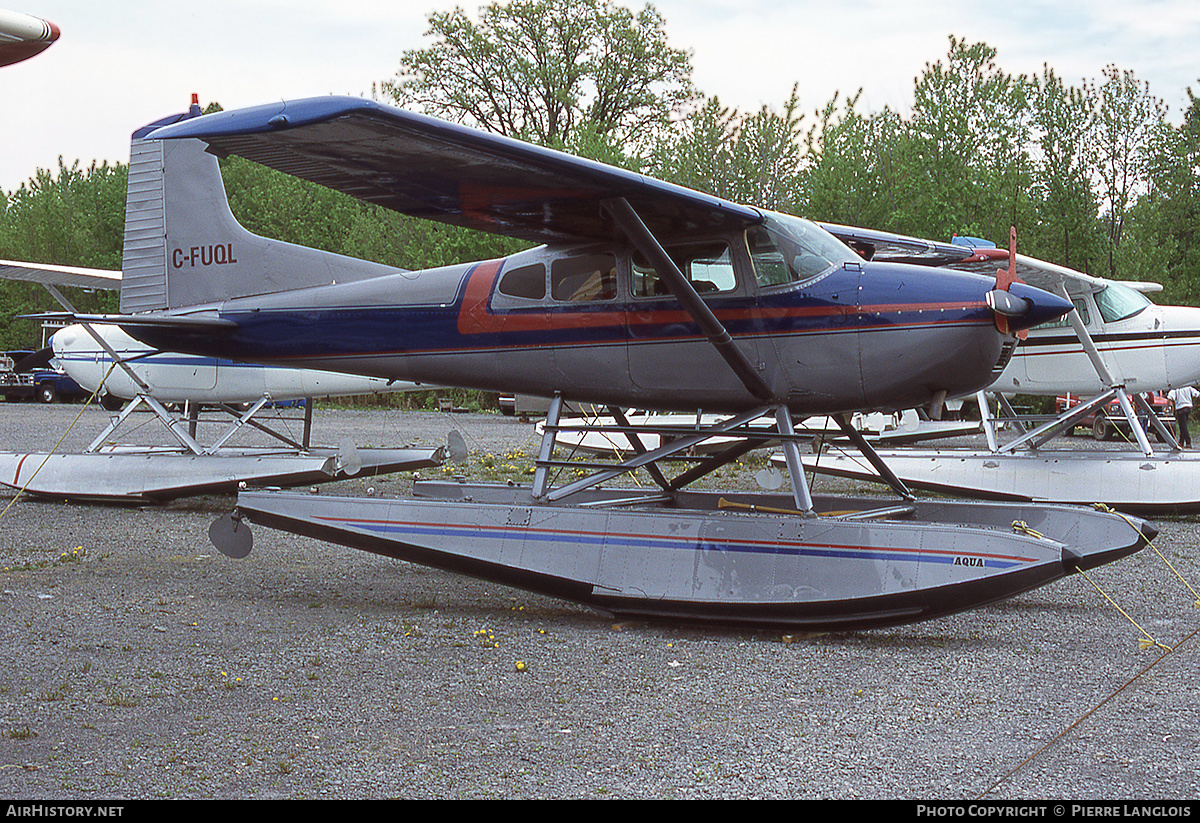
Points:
(788, 249)
(1118, 302)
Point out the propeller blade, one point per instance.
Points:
(1004, 282)
(1005, 278)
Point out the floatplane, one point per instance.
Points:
(1110, 350)
(187, 394)
(639, 294)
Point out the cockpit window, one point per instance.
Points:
(1118, 302)
(787, 250)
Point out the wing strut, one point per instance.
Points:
(645, 242)
(872, 456)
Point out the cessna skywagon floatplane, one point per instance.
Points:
(644, 295)
(1114, 346)
(127, 376)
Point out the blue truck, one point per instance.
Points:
(42, 382)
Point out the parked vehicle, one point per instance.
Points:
(46, 384)
(1112, 422)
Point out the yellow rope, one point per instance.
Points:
(1021, 527)
(66, 431)
(1144, 644)
(1102, 507)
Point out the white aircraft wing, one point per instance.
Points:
(970, 254)
(60, 275)
(1053, 277)
(23, 36)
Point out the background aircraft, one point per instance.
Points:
(1115, 336)
(105, 359)
(23, 36)
(182, 378)
(1115, 346)
(89, 352)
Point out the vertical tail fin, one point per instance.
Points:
(183, 247)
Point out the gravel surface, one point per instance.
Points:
(136, 662)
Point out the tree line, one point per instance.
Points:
(1094, 175)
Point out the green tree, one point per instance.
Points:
(1127, 118)
(73, 218)
(1163, 234)
(1064, 229)
(967, 130)
(585, 75)
(853, 172)
(749, 158)
(769, 156)
(696, 153)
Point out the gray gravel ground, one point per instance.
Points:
(136, 662)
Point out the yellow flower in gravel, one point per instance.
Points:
(520, 665)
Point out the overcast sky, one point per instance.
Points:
(120, 64)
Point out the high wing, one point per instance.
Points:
(972, 255)
(1054, 278)
(898, 248)
(441, 171)
(60, 275)
(1041, 273)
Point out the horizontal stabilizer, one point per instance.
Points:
(183, 322)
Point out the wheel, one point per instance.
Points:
(46, 393)
(1100, 429)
